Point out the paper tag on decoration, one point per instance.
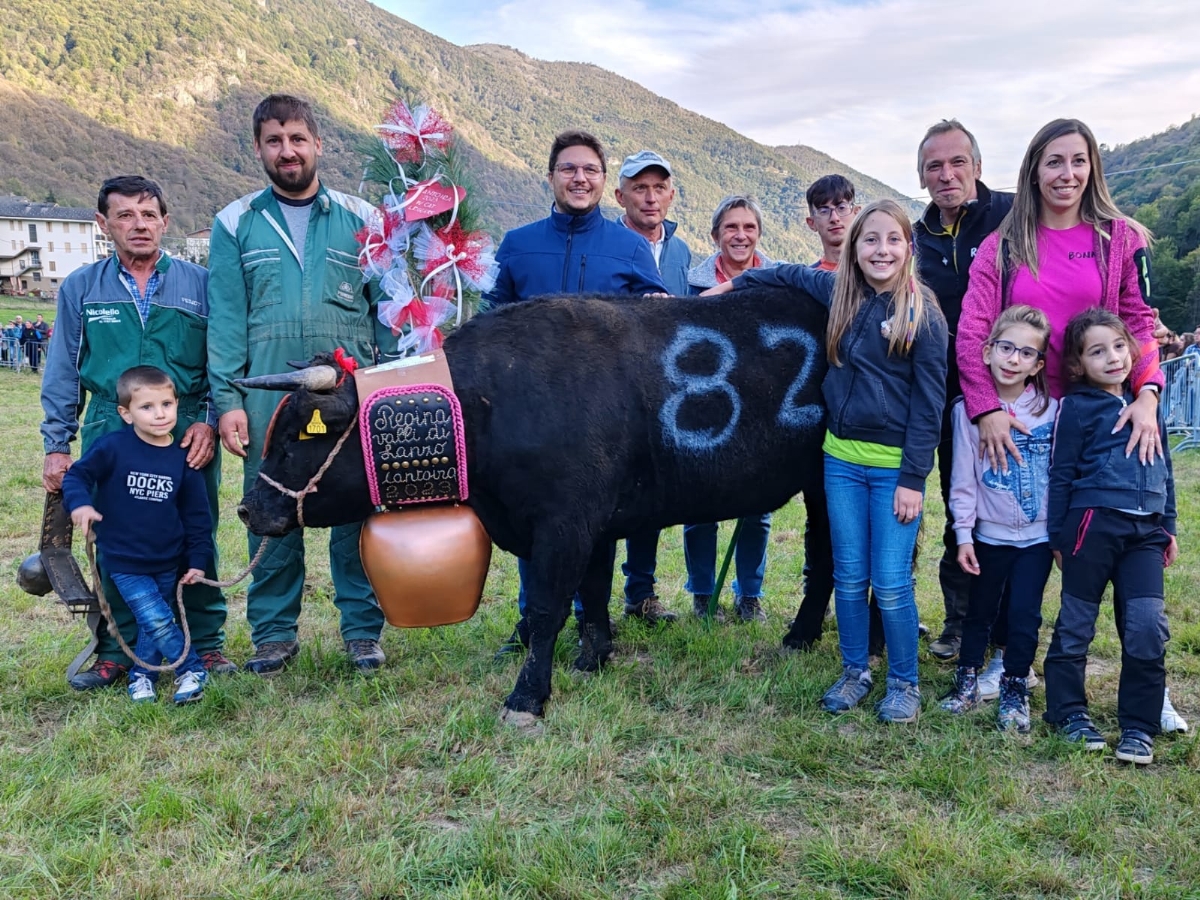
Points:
(431, 199)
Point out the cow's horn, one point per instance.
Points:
(315, 378)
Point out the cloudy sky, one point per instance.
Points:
(862, 79)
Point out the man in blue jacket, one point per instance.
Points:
(574, 250)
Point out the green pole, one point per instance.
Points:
(715, 599)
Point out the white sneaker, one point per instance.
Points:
(989, 678)
(1171, 720)
(141, 689)
(189, 686)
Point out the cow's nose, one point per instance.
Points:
(243, 514)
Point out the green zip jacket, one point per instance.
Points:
(98, 334)
(266, 309)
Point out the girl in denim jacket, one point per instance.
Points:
(1112, 519)
(1000, 517)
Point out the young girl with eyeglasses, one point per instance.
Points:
(1000, 517)
(884, 391)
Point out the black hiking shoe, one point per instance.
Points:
(271, 657)
(700, 608)
(366, 654)
(749, 609)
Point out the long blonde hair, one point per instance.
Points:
(1019, 230)
(911, 300)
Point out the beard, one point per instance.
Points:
(292, 182)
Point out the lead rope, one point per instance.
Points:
(98, 587)
(311, 487)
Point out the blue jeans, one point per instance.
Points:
(871, 549)
(641, 559)
(522, 599)
(159, 637)
(750, 556)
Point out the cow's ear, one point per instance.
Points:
(327, 412)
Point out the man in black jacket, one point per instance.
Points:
(962, 214)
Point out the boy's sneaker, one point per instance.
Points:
(989, 677)
(749, 609)
(965, 695)
(141, 689)
(1012, 713)
(848, 691)
(1171, 720)
(189, 686)
(1078, 729)
(901, 703)
(1135, 747)
(102, 673)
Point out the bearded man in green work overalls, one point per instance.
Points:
(284, 284)
(137, 307)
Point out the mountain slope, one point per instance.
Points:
(1163, 192)
(92, 87)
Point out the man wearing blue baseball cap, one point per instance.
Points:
(646, 192)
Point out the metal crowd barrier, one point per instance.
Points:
(13, 354)
(1181, 399)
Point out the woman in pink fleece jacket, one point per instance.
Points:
(1063, 248)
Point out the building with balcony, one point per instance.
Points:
(43, 243)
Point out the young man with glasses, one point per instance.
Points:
(831, 212)
(575, 250)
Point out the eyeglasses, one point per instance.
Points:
(1005, 349)
(842, 209)
(591, 172)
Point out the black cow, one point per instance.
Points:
(588, 419)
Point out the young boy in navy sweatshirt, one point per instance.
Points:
(152, 521)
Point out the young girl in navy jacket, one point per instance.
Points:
(1112, 519)
(884, 391)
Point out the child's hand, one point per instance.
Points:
(1058, 559)
(906, 504)
(83, 517)
(966, 559)
(1171, 553)
(191, 576)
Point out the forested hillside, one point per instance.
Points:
(1164, 195)
(89, 88)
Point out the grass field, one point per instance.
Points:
(697, 765)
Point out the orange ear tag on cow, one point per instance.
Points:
(315, 425)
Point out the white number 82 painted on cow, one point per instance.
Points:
(690, 384)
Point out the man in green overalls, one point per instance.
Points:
(137, 307)
(284, 284)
